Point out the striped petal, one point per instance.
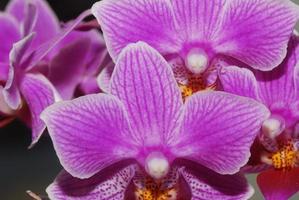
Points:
(219, 129)
(143, 80)
(130, 21)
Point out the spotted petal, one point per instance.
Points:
(143, 80)
(102, 186)
(89, 133)
(219, 129)
(205, 184)
(130, 21)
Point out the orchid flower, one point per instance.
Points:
(194, 34)
(143, 120)
(277, 145)
(38, 55)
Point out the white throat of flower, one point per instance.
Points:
(272, 128)
(156, 165)
(197, 61)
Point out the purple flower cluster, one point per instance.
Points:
(177, 100)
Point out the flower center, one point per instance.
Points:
(156, 165)
(149, 193)
(194, 85)
(286, 157)
(272, 127)
(197, 61)
(151, 189)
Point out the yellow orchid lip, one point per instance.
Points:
(286, 157)
(152, 191)
(195, 85)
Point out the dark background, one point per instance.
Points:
(22, 169)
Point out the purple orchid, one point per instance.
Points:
(277, 145)
(194, 35)
(38, 55)
(144, 121)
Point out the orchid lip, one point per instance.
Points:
(197, 61)
(157, 165)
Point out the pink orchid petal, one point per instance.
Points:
(89, 133)
(280, 84)
(240, 81)
(206, 184)
(30, 19)
(38, 93)
(67, 67)
(46, 25)
(4, 70)
(144, 81)
(9, 34)
(277, 89)
(33, 57)
(4, 108)
(89, 85)
(104, 78)
(11, 90)
(199, 20)
(257, 32)
(219, 129)
(130, 21)
(279, 185)
(100, 186)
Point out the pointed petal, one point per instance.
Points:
(96, 53)
(239, 81)
(144, 81)
(89, 133)
(219, 129)
(33, 57)
(11, 90)
(100, 186)
(279, 185)
(257, 32)
(29, 19)
(130, 21)
(205, 184)
(38, 93)
(199, 20)
(46, 25)
(9, 34)
(67, 68)
(4, 108)
(104, 78)
(280, 84)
